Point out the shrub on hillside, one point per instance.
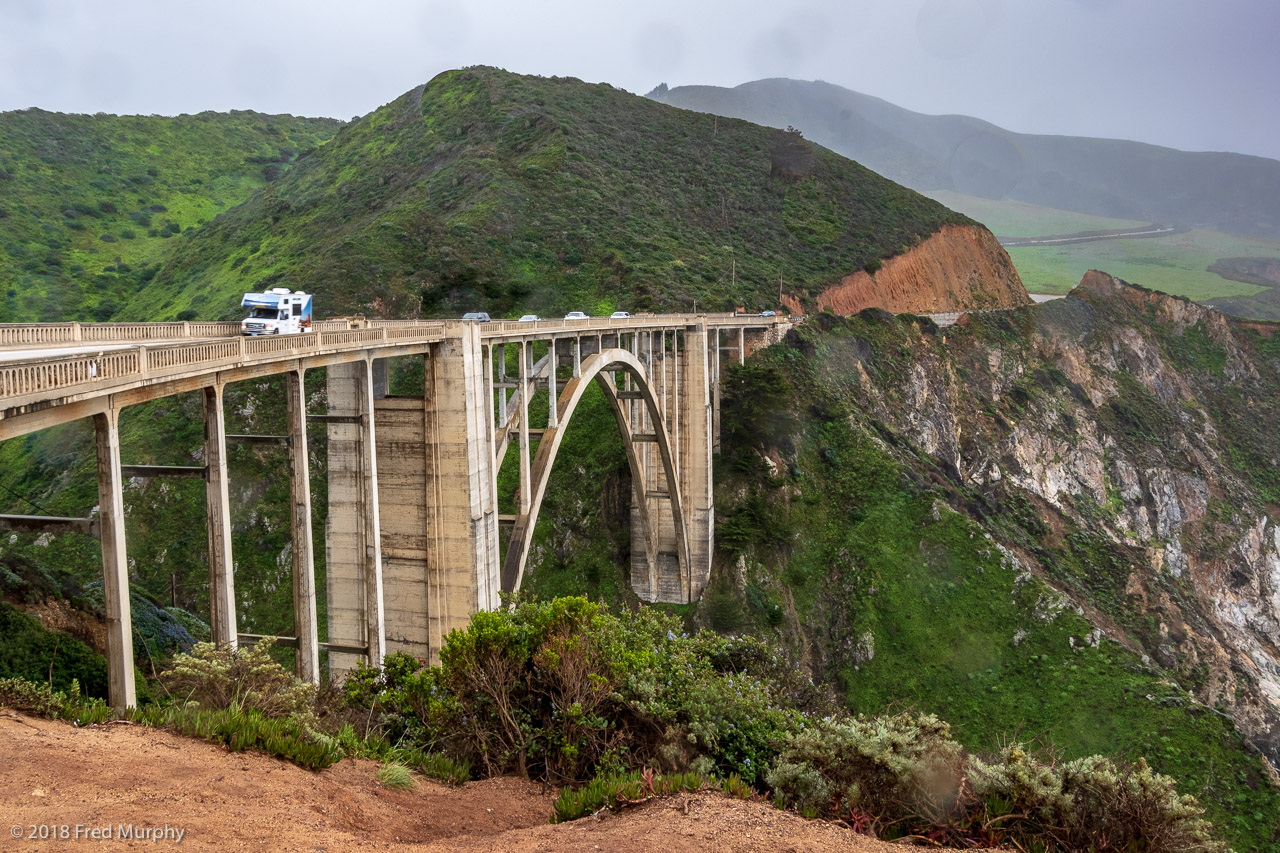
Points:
(218, 677)
(565, 689)
(884, 768)
(904, 776)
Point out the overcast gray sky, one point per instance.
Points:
(1186, 73)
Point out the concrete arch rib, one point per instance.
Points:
(593, 369)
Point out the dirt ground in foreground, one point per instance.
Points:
(52, 774)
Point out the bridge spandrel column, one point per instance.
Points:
(462, 518)
(115, 564)
(222, 599)
(716, 383)
(353, 541)
(694, 448)
(304, 567)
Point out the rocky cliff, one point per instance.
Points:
(1062, 520)
(960, 268)
(1142, 429)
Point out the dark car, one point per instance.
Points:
(478, 316)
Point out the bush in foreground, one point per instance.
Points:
(903, 776)
(218, 678)
(564, 690)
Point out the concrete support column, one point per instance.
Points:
(502, 379)
(462, 517)
(217, 498)
(742, 346)
(553, 390)
(115, 563)
(716, 382)
(694, 450)
(677, 364)
(526, 487)
(375, 632)
(304, 568)
(353, 531)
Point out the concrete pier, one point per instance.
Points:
(121, 690)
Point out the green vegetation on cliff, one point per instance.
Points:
(89, 205)
(877, 563)
(488, 190)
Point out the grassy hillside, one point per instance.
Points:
(1235, 193)
(89, 205)
(485, 190)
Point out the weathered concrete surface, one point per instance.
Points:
(462, 508)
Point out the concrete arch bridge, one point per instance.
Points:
(415, 539)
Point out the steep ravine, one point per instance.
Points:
(961, 267)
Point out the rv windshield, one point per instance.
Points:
(264, 314)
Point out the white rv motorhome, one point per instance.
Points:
(279, 311)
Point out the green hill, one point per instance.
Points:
(89, 204)
(485, 190)
(1234, 193)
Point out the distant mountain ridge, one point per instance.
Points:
(1235, 193)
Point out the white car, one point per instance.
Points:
(619, 315)
(529, 318)
(576, 315)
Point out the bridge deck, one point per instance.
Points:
(74, 366)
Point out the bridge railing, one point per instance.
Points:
(36, 378)
(32, 378)
(43, 334)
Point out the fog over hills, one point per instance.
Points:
(1235, 193)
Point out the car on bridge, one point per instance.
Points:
(477, 316)
(768, 313)
(529, 318)
(619, 315)
(576, 315)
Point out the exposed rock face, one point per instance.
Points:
(1147, 424)
(960, 268)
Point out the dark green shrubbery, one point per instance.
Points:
(564, 690)
(31, 652)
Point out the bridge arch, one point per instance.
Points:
(600, 368)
